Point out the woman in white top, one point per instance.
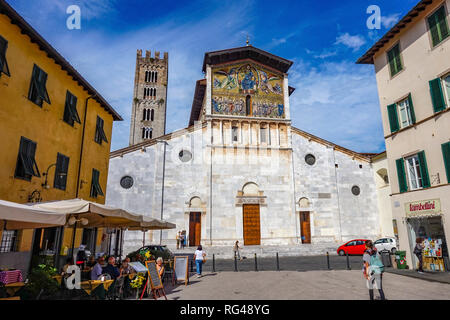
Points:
(199, 256)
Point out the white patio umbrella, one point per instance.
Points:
(15, 216)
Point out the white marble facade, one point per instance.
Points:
(277, 177)
(214, 169)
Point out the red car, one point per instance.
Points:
(356, 246)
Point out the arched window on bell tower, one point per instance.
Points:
(248, 105)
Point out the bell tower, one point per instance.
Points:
(148, 116)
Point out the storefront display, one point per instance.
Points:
(432, 255)
(431, 233)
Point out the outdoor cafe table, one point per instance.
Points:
(91, 285)
(12, 288)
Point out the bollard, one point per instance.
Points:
(256, 264)
(235, 262)
(328, 261)
(214, 263)
(348, 262)
(278, 263)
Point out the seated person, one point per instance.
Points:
(126, 269)
(97, 269)
(91, 262)
(160, 266)
(111, 269)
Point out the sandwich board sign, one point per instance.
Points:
(154, 280)
(180, 269)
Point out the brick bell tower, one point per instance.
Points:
(148, 116)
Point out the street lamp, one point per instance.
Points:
(162, 186)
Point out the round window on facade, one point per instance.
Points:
(185, 155)
(310, 159)
(356, 191)
(126, 182)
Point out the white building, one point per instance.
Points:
(240, 171)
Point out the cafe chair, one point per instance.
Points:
(105, 275)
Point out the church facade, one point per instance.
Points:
(241, 171)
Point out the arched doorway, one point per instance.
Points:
(195, 223)
(251, 216)
(305, 220)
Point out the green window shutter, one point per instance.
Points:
(437, 95)
(26, 163)
(3, 63)
(70, 109)
(38, 91)
(95, 185)
(401, 175)
(62, 168)
(393, 117)
(411, 109)
(99, 132)
(395, 62)
(424, 170)
(438, 26)
(446, 154)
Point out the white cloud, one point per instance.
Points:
(353, 42)
(337, 102)
(390, 20)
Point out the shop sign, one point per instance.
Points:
(423, 208)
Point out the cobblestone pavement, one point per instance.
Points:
(294, 285)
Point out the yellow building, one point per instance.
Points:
(55, 131)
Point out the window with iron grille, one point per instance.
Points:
(26, 166)
(3, 63)
(96, 190)
(99, 132)
(70, 110)
(9, 241)
(38, 91)
(62, 167)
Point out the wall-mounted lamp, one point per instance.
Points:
(73, 220)
(45, 185)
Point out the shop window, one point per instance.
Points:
(3, 62)
(9, 241)
(26, 166)
(99, 132)
(38, 91)
(70, 110)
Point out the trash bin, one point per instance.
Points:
(401, 259)
(386, 258)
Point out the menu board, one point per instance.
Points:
(180, 269)
(153, 275)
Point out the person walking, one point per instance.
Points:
(236, 250)
(199, 256)
(418, 249)
(373, 270)
(182, 239)
(178, 240)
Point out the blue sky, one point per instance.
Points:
(335, 98)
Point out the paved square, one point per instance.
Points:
(293, 285)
